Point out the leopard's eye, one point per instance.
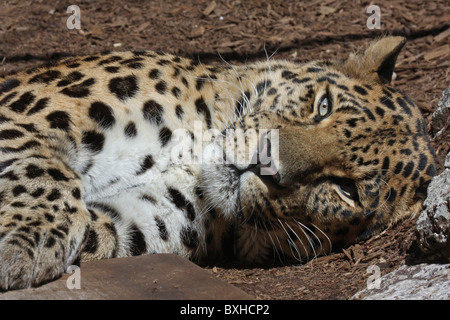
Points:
(324, 107)
(347, 190)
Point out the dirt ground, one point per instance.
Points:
(239, 31)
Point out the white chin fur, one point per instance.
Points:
(220, 182)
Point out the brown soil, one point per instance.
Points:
(34, 32)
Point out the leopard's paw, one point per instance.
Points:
(33, 254)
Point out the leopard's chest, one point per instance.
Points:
(131, 153)
(147, 172)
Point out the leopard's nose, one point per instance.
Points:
(262, 163)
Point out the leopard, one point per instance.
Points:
(122, 154)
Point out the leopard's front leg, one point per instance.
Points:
(43, 221)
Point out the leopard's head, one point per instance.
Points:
(331, 154)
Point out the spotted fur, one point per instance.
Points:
(93, 150)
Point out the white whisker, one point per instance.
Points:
(274, 247)
(311, 243)
(329, 241)
(292, 242)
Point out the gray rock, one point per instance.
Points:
(433, 224)
(440, 117)
(423, 281)
(447, 161)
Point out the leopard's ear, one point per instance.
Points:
(378, 61)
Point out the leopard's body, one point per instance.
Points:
(111, 155)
